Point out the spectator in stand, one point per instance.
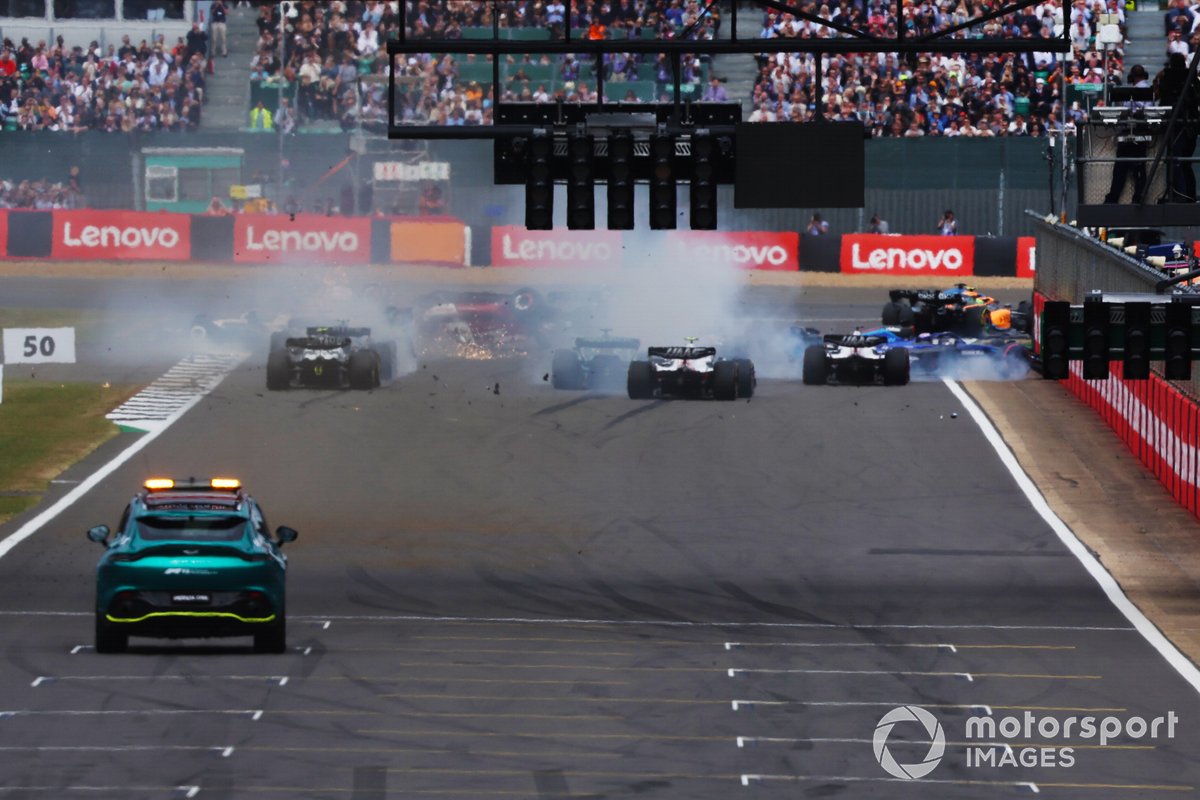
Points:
(816, 226)
(948, 225)
(197, 41)
(219, 15)
(285, 120)
(715, 93)
(877, 225)
(431, 201)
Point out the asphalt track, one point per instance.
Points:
(505, 591)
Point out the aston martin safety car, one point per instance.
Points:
(191, 559)
(855, 358)
(329, 357)
(595, 363)
(690, 371)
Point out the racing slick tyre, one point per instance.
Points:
(527, 301)
(566, 372)
(1024, 316)
(972, 321)
(725, 380)
(387, 360)
(816, 371)
(109, 640)
(1016, 362)
(279, 370)
(891, 314)
(278, 341)
(640, 380)
(364, 369)
(273, 639)
(906, 318)
(200, 328)
(895, 367)
(746, 380)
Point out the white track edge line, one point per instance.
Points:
(70, 498)
(1108, 584)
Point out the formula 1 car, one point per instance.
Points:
(960, 310)
(329, 357)
(855, 358)
(191, 559)
(593, 364)
(244, 330)
(948, 353)
(690, 371)
(477, 323)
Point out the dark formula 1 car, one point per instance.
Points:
(855, 358)
(191, 559)
(594, 363)
(948, 354)
(960, 310)
(690, 372)
(336, 357)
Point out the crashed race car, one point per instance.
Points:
(948, 354)
(855, 358)
(244, 330)
(594, 363)
(960, 310)
(477, 324)
(334, 357)
(691, 371)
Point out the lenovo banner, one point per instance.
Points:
(434, 241)
(908, 255)
(3, 234)
(1026, 256)
(304, 239)
(121, 235)
(737, 249)
(514, 246)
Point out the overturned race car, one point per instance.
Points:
(855, 358)
(335, 357)
(691, 371)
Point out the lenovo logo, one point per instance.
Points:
(112, 236)
(302, 241)
(893, 258)
(740, 255)
(550, 250)
(925, 254)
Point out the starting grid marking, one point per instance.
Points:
(184, 383)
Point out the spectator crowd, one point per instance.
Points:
(150, 86)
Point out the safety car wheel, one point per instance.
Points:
(725, 380)
(815, 372)
(640, 380)
(364, 369)
(273, 639)
(279, 370)
(895, 367)
(109, 640)
(565, 371)
(746, 380)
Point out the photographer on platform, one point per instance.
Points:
(1175, 86)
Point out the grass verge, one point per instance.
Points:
(46, 427)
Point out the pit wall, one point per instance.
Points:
(1158, 420)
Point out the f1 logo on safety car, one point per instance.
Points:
(925, 255)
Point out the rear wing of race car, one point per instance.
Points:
(319, 342)
(609, 344)
(336, 330)
(683, 353)
(854, 340)
(924, 296)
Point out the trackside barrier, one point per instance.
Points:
(1156, 421)
(107, 235)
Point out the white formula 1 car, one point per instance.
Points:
(855, 358)
(690, 372)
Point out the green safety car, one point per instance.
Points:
(191, 559)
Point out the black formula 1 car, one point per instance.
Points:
(336, 357)
(690, 371)
(960, 310)
(857, 359)
(594, 363)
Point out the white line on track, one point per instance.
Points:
(109, 791)
(749, 779)
(733, 645)
(41, 680)
(734, 672)
(738, 705)
(70, 498)
(1153, 636)
(133, 712)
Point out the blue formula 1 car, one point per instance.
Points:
(949, 354)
